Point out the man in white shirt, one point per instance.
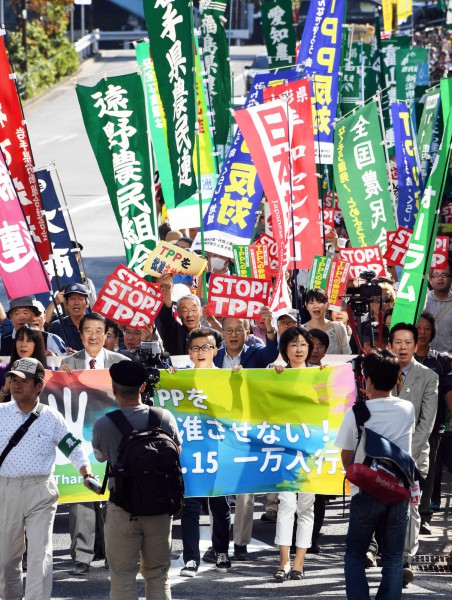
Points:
(82, 515)
(439, 304)
(392, 418)
(28, 492)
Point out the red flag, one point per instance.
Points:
(20, 266)
(15, 145)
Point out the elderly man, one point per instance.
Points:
(28, 491)
(75, 305)
(174, 334)
(439, 304)
(53, 343)
(21, 312)
(419, 385)
(82, 516)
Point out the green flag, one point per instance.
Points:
(361, 74)
(114, 114)
(216, 61)
(361, 178)
(279, 33)
(169, 24)
(319, 273)
(408, 61)
(426, 129)
(413, 281)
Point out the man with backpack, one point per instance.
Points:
(142, 446)
(393, 418)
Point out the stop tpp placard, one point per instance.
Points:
(237, 297)
(363, 259)
(129, 299)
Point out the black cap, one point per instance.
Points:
(76, 288)
(128, 372)
(27, 368)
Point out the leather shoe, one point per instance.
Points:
(80, 569)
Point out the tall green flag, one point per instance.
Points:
(426, 129)
(114, 114)
(279, 33)
(413, 281)
(217, 65)
(169, 24)
(408, 61)
(361, 178)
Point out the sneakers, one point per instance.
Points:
(370, 560)
(190, 569)
(408, 575)
(241, 553)
(210, 556)
(269, 516)
(223, 562)
(435, 506)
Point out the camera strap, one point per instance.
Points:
(352, 322)
(20, 432)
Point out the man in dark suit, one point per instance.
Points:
(82, 515)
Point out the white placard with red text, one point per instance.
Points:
(363, 259)
(128, 299)
(237, 297)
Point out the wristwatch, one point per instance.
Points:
(270, 332)
(86, 475)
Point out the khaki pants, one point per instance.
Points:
(126, 541)
(27, 504)
(243, 519)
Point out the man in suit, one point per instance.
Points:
(82, 515)
(419, 385)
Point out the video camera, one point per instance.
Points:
(153, 359)
(360, 297)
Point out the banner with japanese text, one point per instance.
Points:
(231, 215)
(361, 178)
(413, 280)
(169, 258)
(279, 33)
(337, 283)
(233, 442)
(408, 167)
(15, 145)
(320, 53)
(304, 240)
(237, 297)
(114, 114)
(21, 269)
(252, 261)
(319, 272)
(217, 65)
(361, 75)
(128, 299)
(408, 60)
(426, 128)
(63, 268)
(268, 242)
(169, 24)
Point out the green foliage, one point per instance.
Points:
(49, 55)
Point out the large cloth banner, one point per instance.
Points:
(15, 145)
(408, 62)
(216, 61)
(63, 267)
(304, 225)
(413, 281)
(231, 215)
(408, 167)
(169, 23)
(320, 53)
(21, 268)
(361, 178)
(279, 32)
(233, 439)
(114, 114)
(426, 129)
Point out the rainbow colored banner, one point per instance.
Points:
(263, 432)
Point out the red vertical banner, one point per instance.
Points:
(15, 146)
(21, 269)
(304, 231)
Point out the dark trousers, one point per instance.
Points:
(443, 458)
(424, 506)
(221, 516)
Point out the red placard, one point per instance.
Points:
(129, 299)
(269, 242)
(440, 253)
(399, 240)
(446, 211)
(237, 297)
(363, 259)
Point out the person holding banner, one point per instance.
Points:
(296, 347)
(317, 305)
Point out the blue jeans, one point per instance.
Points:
(221, 517)
(366, 514)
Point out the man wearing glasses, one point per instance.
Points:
(439, 304)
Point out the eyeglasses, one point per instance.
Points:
(437, 275)
(133, 333)
(204, 348)
(237, 331)
(388, 300)
(189, 311)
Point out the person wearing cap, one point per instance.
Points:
(82, 515)
(128, 540)
(21, 312)
(28, 491)
(53, 343)
(75, 305)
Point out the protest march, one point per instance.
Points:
(280, 323)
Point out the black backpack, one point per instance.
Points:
(148, 476)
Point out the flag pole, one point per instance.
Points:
(385, 147)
